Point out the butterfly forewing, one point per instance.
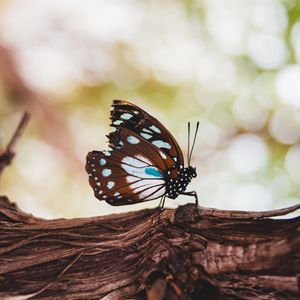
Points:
(133, 171)
(128, 115)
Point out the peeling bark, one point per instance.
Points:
(186, 253)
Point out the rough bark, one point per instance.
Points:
(186, 253)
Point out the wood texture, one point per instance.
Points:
(186, 253)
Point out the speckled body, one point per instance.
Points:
(178, 186)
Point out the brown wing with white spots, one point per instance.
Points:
(133, 171)
(127, 115)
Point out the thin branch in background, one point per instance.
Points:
(57, 277)
(8, 154)
(45, 112)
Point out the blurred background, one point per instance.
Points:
(234, 65)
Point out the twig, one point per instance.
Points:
(231, 214)
(7, 155)
(59, 275)
(46, 112)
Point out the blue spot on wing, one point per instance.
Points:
(153, 172)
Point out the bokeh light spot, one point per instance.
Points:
(245, 195)
(248, 153)
(295, 39)
(250, 113)
(259, 50)
(284, 126)
(292, 162)
(287, 85)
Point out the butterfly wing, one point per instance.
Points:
(128, 115)
(133, 171)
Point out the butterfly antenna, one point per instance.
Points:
(195, 136)
(189, 133)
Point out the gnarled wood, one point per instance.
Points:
(185, 253)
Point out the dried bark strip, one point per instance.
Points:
(185, 253)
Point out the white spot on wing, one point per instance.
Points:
(136, 166)
(138, 172)
(147, 130)
(161, 144)
(154, 128)
(141, 172)
(120, 145)
(144, 184)
(106, 172)
(116, 194)
(102, 161)
(107, 152)
(110, 184)
(147, 161)
(118, 122)
(133, 140)
(131, 179)
(162, 155)
(146, 135)
(134, 162)
(146, 194)
(126, 116)
(144, 191)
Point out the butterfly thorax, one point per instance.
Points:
(176, 186)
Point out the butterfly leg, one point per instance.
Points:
(193, 194)
(162, 202)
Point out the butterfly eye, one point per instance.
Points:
(194, 173)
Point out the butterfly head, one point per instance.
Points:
(191, 171)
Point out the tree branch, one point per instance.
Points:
(236, 214)
(47, 113)
(186, 253)
(8, 154)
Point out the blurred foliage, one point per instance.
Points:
(233, 65)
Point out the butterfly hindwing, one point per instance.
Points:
(133, 171)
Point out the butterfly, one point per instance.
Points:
(144, 162)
